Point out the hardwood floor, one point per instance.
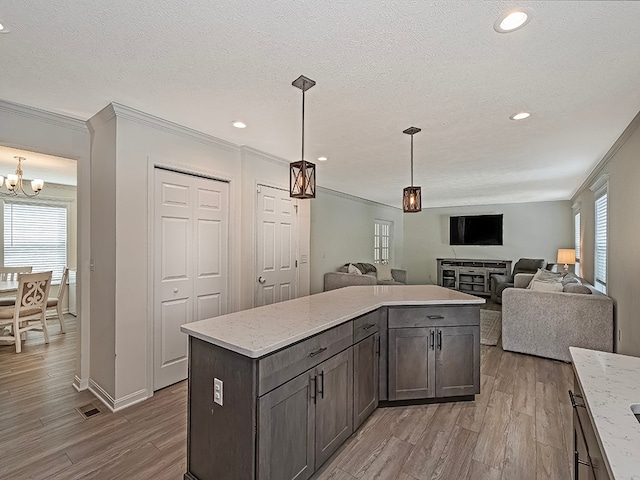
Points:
(518, 428)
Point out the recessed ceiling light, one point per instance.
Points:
(239, 124)
(322, 159)
(520, 116)
(512, 21)
(3, 29)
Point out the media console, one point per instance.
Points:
(470, 275)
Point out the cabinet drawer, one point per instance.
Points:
(282, 366)
(366, 325)
(403, 317)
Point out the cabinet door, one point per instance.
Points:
(334, 404)
(457, 361)
(365, 378)
(286, 431)
(411, 363)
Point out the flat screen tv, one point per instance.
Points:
(475, 230)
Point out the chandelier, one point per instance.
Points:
(13, 182)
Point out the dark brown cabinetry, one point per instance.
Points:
(365, 378)
(435, 354)
(304, 421)
(588, 461)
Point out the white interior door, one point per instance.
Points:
(277, 243)
(191, 245)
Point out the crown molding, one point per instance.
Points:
(597, 170)
(347, 196)
(44, 116)
(254, 152)
(100, 118)
(122, 111)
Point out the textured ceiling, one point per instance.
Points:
(380, 67)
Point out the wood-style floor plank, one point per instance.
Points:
(520, 423)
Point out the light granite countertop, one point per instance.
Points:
(610, 384)
(259, 331)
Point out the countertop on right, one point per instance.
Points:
(610, 384)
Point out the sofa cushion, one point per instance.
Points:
(383, 273)
(544, 286)
(528, 265)
(354, 269)
(577, 288)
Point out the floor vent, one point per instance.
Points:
(88, 410)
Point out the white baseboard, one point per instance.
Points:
(121, 403)
(80, 384)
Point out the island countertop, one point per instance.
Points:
(610, 384)
(257, 332)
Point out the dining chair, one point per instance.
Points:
(30, 306)
(11, 273)
(56, 302)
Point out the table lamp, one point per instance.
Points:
(566, 256)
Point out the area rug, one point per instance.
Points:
(490, 327)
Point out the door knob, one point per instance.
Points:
(261, 279)
(175, 290)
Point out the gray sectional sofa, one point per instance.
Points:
(339, 279)
(548, 323)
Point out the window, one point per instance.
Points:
(36, 234)
(601, 208)
(576, 232)
(383, 232)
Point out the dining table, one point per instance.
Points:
(8, 286)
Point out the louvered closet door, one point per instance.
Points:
(190, 264)
(277, 234)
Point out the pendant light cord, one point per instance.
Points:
(302, 158)
(412, 160)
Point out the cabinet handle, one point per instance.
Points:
(317, 352)
(322, 384)
(314, 390)
(432, 334)
(435, 317)
(575, 404)
(368, 326)
(439, 339)
(378, 345)
(582, 462)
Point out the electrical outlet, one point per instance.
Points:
(217, 391)
(303, 259)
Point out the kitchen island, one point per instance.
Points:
(606, 431)
(274, 391)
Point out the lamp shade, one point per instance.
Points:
(566, 256)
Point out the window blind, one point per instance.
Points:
(576, 227)
(35, 235)
(601, 239)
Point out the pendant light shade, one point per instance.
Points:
(302, 174)
(412, 196)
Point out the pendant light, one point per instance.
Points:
(302, 174)
(412, 196)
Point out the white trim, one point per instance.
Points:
(120, 404)
(80, 384)
(122, 111)
(622, 139)
(154, 162)
(600, 184)
(64, 121)
(260, 155)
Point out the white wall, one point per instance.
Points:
(126, 158)
(622, 165)
(531, 230)
(342, 232)
(39, 131)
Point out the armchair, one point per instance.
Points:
(500, 282)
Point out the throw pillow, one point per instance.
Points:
(577, 288)
(354, 269)
(344, 268)
(542, 286)
(383, 273)
(570, 278)
(546, 277)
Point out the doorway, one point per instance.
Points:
(191, 222)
